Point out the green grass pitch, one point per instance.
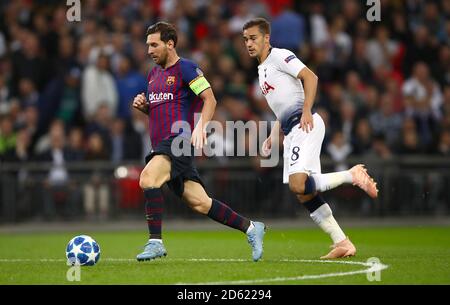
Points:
(419, 255)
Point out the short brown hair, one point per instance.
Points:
(262, 24)
(167, 31)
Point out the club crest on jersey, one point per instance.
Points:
(170, 80)
(266, 88)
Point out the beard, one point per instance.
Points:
(161, 60)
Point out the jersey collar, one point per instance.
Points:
(268, 55)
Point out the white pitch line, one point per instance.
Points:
(31, 260)
(371, 268)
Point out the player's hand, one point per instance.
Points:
(306, 121)
(267, 147)
(140, 103)
(198, 138)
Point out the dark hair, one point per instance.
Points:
(263, 25)
(166, 30)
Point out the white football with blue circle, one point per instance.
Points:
(82, 250)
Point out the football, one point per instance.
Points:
(82, 250)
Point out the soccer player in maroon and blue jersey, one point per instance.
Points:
(176, 91)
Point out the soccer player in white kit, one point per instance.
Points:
(280, 77)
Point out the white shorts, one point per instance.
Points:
(302, 150)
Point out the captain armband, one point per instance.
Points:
(199, 84)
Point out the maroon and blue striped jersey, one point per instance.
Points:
(172, 95)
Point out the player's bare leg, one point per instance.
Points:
(321, 214)
(153, 176)
(196, 198)
(156, 172)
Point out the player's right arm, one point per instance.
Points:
(140, 103)
(267, 145)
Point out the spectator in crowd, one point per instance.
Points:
(441, 67)
(443, 147)
(100, 123)
(319, 26)
(29, 96)
(98, 87)
(409, 141)
(381, 50)
(29, 62)
(96, 193)
(4, 91)
(432, 19)
(445, 123)
(362, 138)
(339, 149)
(420, 48)
(126, 144)
(22, 191)
(386, 121)
(358, 61)
(325, 70)
(76, 143)
(129, 84)
(60, 196)
(339, 43)
(423, 100)
(347, 115)
(380, 149)
(288, 30)
(241, 15)
(7, 134)
(139, 125)
(62, 99)
(21, 151)
(354, 90)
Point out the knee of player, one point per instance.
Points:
(297, 187)
(147, 180)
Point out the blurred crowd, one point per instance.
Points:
(66, 87)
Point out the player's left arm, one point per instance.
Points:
(310, 81)
(201, 87)
(209, 106)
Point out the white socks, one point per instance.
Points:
(325, 182)
(155, 239)
(323, 217)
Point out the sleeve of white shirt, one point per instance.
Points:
(289, 63)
